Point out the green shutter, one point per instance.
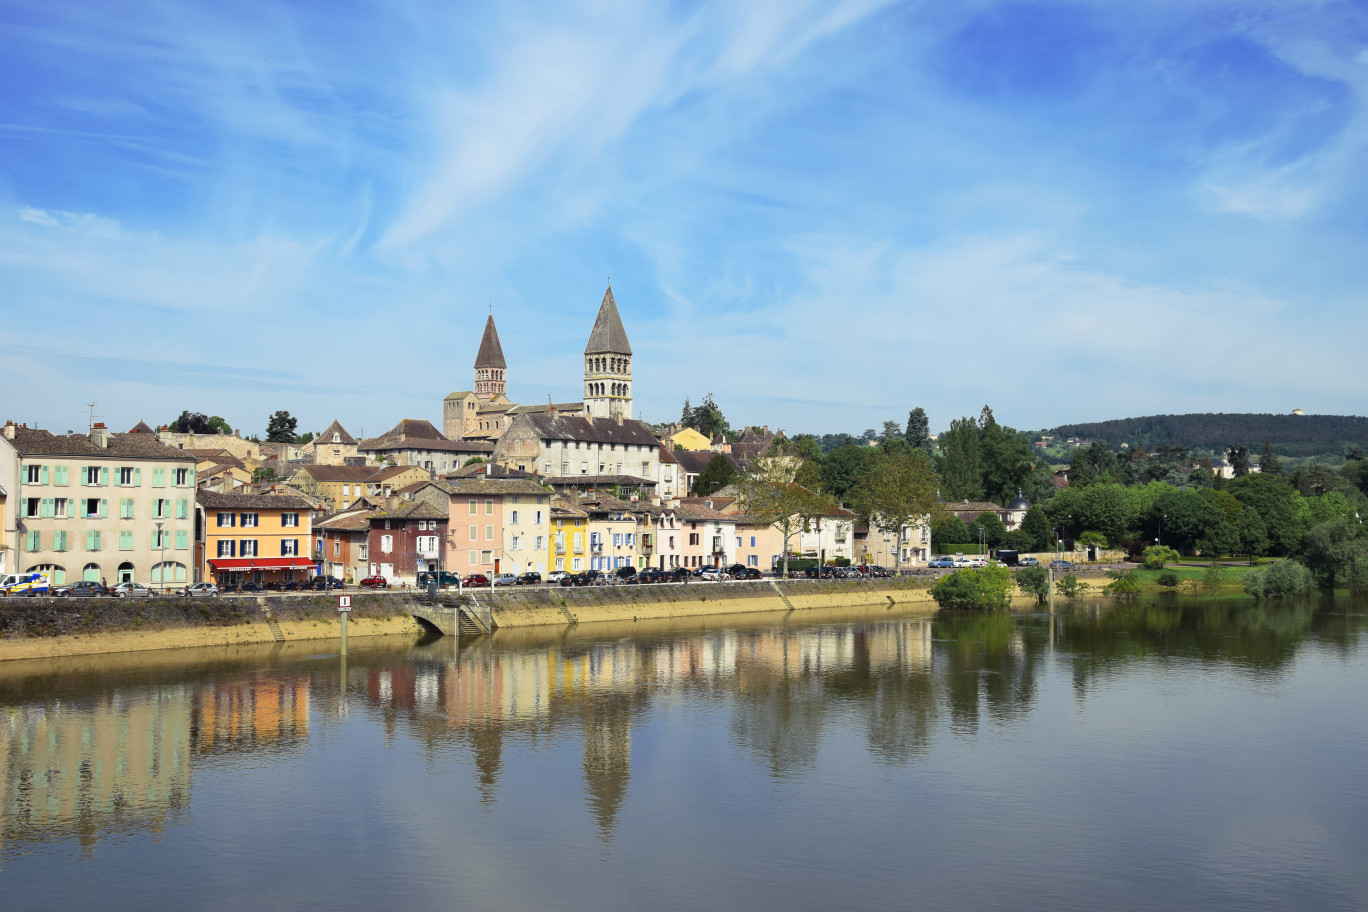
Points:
(45, 508)
(192, 476)
(104, 476)
(59, 475)
(137, 476)
(182, 540)
(90, 540)
(45, 475)
(159, 478)
(125, 540)
(104, 508)
(32, 542)
(182, 508)
(59, 541)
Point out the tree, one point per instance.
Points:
(280, 427)
(708, 419)
(1007, 459)
(687, 416)
(1332, 548)
(1269, 463)
(263, 475)
(1036, 527)
(983, 588)
(897, 489)
(1277, 505)
(1034, 581)
(891, 431)
(1156, 556)
(843, 468)
(192, 423)
(1221, 537)
(1186, 517)
(1239, 460)
(1280, 579)
(716, 475)
(1252, 533)
(767, 493)
(961, 463)
(918, 434)
(994, 532)
(950, 530)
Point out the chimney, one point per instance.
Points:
(99, 435)
(618, 416)
(9, 430)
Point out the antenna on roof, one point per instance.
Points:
(90, 425)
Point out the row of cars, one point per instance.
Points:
(35, 584)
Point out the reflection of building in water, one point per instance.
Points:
(245, 715)
(607, 758)
(89, 769)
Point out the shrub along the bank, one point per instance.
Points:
(1280, 579)
(974, 587)
(1034, 581)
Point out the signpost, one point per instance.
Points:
(343, 610)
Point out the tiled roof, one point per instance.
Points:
(667, 457)
(717, 503)
(467, 486)
(606, 503)
(559, 426)
(35, 442)
(608, 336)
(419, 485)
(490, 353)
(141, 428)
(562, 507)
(690, 513)
(975, 507)
(334, 428)
(413, 428)
(435, 445)
(487, 470)
(351, 521)
(211, 500)
(351, 474)
(419, 510)
(694, 462)
(580, 481)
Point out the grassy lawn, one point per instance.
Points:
(1232, 577)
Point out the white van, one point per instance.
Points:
(25, 584)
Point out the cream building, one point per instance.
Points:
(9, 492)
(112, 507)
(332, 447)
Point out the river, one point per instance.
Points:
(1166, 754)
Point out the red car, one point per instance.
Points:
(476, 579)
(374, 582)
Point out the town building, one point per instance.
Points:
(256, 538)
(342, 545)
(332, 447)
(481, 413)
(406, 540)
(569, 536)
(707, 536)
(9, 491)
(498, 525)
(690, 440)
(1011, 515)
(416, 442)
(758, 543)
(341, 486)
(102, 506)
(233, 443)
(615, 529)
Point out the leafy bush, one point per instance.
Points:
(1168, 578)
(1280, 579)
(1212, 577)
(1156, 556)
(1034, 581)
(1123, 584)
(981, 588)
(1070, 586)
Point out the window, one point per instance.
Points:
(627, 538)
(33, 506)
(752, 541)
(289, 520)
(753, 560)
(226, 521)
(95, 507)
(161, 509)
(182, 477)
(565, 468)
(93, 540)
(125, 539)
(539, 518)
(159, 478)
(422, 525)
(486, 557)
(473, 558)
(182, 540)
(59, 475)
(33, 474)
(250, 520)
(584, 468)
(32, 540)
(474, 508)
(247, 547)
(693, 538)
(474, 533)
(289, 547)
(227, 547)
(387, 524)
(541, 542)
(362, 551)
(92, 475)
(514, 520)
(489, 533)
(577, 564)
(600, 468)
(516, 543)
(126, 476)
(547, 470)
(337, 548)
(646, 468)
(738, 541)
(489, 508)
(386, 544)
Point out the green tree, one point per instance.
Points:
(1008, 460)
(1331, 548)
(918, 434)
(768, 493)
(280, 427)
(844, 467)
(891, 431)
(1279, 580)
(1252, 533)
(1269, 463)
(994, 532)
(1221, 537)
(1238, 456)
(718, 473)
(961, 461)
(1123, 584)
(896, 491)
(263, 475)
(949, 530)
(1156, 556)
(192, 423)
(708, 419)
(1277, 505)
(1186, 516)
(1035, 526)
(984, 588)
(1034, 581)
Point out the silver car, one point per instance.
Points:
(125, 590)
(201, 590)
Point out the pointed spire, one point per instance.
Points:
(608, 336)
(491, 353)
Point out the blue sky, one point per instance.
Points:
(822, 213)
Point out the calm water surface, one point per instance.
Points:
(1165, 755)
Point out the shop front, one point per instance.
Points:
(230, 573)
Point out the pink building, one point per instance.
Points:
(497, 525)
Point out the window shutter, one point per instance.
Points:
(104, 476)
(137, 476)
(59, 475)
(182, 506)
(182, 540)
(45, 474)
(125, 540)
(45, 508)
(192, 476)
(104, 508)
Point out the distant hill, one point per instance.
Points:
(1291, 435)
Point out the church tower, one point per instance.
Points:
(607, 364)
(489, 364)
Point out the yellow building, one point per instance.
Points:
(690, 441)
(256, 538)
(569, 536)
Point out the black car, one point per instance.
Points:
(323, 583)
(626, 574)
(650, 575)
(746, 573)
(677, 575)
(81, 589)
(530, 578)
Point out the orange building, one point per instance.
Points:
(256, 538)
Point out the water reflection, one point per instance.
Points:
(112, 747)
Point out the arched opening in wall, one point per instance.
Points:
(173, 571)
(56, 575)
(125, 573)
(91, 573)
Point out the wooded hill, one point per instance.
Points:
(1291, 435)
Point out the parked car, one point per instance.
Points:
(555, 576)
(374, 582)
(650, 575)
(571, 579)
(942, 562)
(477, 579)
(1028, 562)
(739, 572)
(325, 583)
(976, 562)
(132, 590)
(506, 579)
(710, 574)
(530, 578)
(626, 574)
(81, 589)
(446, 579)
(201, 590)
(677, 575)
(1062, 565)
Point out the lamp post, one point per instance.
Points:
(1159, 539)
(161, 542)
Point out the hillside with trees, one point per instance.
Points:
(1296, 436)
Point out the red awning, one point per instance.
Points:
(261, 563)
